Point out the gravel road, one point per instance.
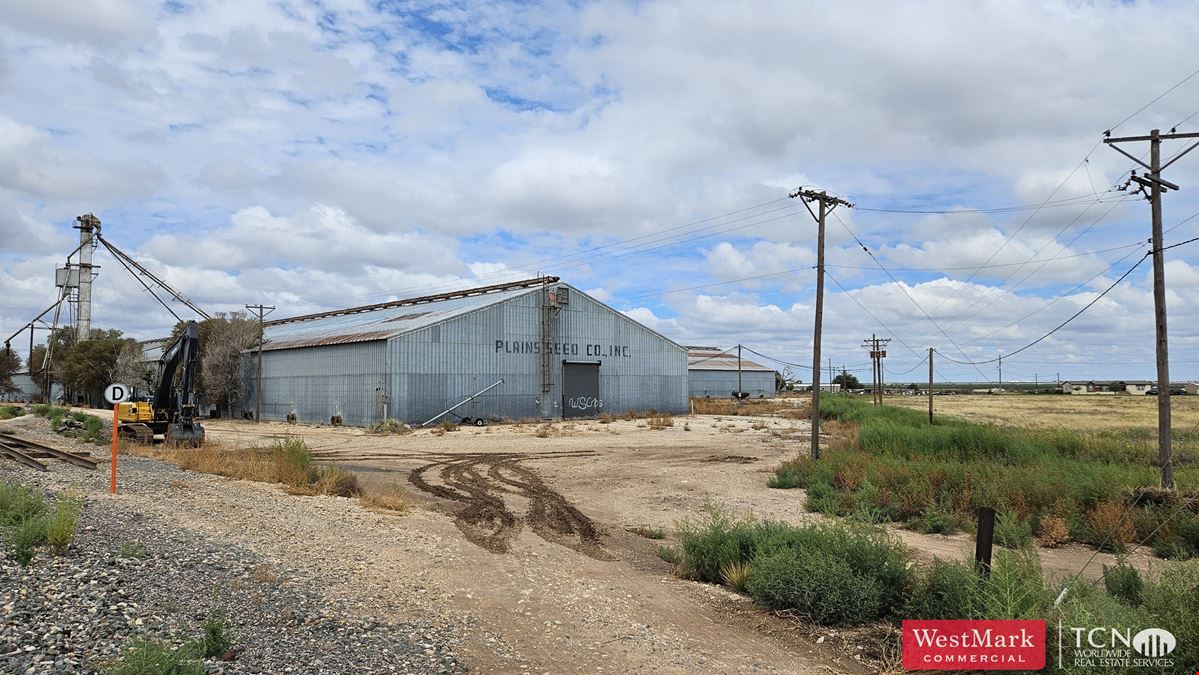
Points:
(130, 574)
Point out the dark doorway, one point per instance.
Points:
(581, 390)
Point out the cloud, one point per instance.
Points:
(319, 155)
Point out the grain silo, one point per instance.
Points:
(532, 349)
(713, 373)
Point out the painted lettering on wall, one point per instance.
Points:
(585, 403)
(562, 348)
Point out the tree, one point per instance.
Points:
(224, 340)
(86, 367)
(35, 365)
(130, 367)
(847, 380)
(10, 364)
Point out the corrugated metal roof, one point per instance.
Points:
(712, 359)
(378, 324)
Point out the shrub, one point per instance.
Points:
(720, 539)
(648, 532)
(156, 657)
(786, 477)
(389, 426)
(1016, 589)
(946, 590)
(736, 575)
(936, 520)
(60, 524)
(8, 412)
(1012, 531)
(293, 462)
(25, 536)
(217, 639)
(1109, 526)
(670, 554)
(816, 585)
(18, 503)
(337, 482)
(660, 421)
(131, 550)
(393, 498)
(1124, 583)
(1053, 532)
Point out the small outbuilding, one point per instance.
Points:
(713, 373)
(534, 349)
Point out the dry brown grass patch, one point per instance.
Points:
(392, 499)
(659, 422)
(1054, 532)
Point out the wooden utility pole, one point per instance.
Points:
(1152, 185)
(877, 348)
(930, 385)
(825, 205)
(262, 311)
(1001, 369)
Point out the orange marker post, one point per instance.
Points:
(112, 481)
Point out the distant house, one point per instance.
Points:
(1113, 387)
(1136, 386)
(1192, 388)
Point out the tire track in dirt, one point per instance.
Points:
(480, 482)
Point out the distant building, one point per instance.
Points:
(1192, 388)
(1110, 387)
(713, 373)
(27, 390)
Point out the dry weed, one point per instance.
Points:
(1054, 532)
(658, 422)
(1109, 520)
(392, 499)
(265, 573)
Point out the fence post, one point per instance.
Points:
(984, 541)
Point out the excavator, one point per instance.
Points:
(171, 414)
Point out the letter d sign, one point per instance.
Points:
(116, 393)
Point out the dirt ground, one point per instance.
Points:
(1075, 411)
(543, 512)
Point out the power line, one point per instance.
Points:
(1159, 97)
(1054, 300)
(1062, 324)
(1060, 203)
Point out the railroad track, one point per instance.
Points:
(30, 453)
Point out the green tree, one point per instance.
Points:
(847, 380)
(87, 366)
(10, 364)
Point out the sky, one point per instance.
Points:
(322, 154)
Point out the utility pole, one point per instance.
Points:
(1156, 185)
(826, 203)
(262, 311)
(930, 385)
(878, 352)
(1036, 383)
(1000, 368)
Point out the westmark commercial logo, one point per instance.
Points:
(973, 645)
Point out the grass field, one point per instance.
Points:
(1085, 482)
(1079, 412)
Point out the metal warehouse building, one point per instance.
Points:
(535, 349)
(713, 373)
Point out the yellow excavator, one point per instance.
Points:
(171, 414)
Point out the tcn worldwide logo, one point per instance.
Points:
(973, 645)
(1110, 647)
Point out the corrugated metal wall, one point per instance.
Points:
(318, 382)
(423, 372)
(722, 383)
(440, 365)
